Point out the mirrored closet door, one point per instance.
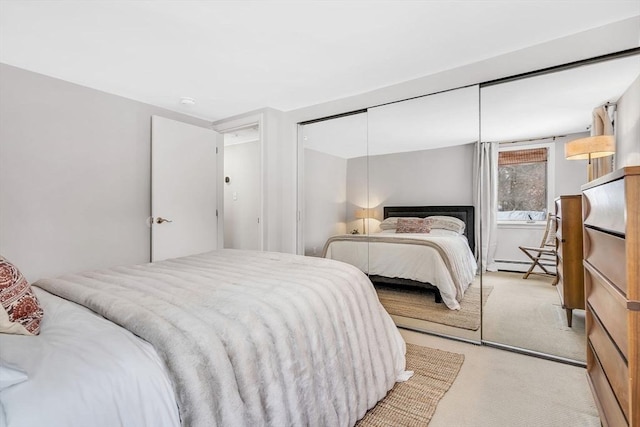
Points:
(535, 164)
(412, 160)
(334, 193)
(420, 165)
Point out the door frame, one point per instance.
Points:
(230, 126)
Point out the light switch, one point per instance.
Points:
(235, 195)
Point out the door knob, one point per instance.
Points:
(160, 220)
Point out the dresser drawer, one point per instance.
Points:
(604, 206)
(610, 412)
(609, 305)
(606, 253)
(611, 361)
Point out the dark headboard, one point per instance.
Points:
(464, 213)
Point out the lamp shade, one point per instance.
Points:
(590, 147)
(364, 213)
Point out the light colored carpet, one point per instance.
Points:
(527, 314)
(413, 402)
(419, 304)
(497, 388)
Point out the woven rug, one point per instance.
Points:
(413, 402)
(419, 304)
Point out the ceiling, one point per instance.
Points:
(237, 56)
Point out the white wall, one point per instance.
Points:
(74, 175)
(442, 176)
(325, 184)
(628, 127)
(570, 174)
(242, 195)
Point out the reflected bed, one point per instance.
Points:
(441, 260)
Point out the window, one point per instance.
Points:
(523, 191)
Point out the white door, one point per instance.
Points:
(183, 189)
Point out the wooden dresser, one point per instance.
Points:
(570, 280)
(612, 269)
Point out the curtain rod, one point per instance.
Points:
(532, 139)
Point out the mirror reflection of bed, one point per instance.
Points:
(421, 261)
(411, 153)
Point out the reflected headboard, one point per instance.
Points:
(464, 213)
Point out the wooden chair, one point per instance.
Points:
(545, 252)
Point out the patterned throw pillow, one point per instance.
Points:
(392, 222)
(413, 225)
(20, 311)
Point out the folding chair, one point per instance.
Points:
(545, 252)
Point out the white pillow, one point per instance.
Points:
(447, 223)
(10, 375)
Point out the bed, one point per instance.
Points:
(227, 338)
(441, 261)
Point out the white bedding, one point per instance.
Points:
(84, 371)
(257, 339)
(412, 261)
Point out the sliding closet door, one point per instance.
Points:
(527, 124)
(421, 163)
(333, 179)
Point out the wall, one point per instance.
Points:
(570, 175)
(325, 181)
(442, 176)
(628, 127)
(74, 175)
(242, 195)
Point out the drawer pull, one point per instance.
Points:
(633, 305)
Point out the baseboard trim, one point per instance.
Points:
(520, 266)
(528, 264)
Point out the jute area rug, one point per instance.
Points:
(413, 402)
(419, 304)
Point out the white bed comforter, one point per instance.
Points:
(445, 261)
(254, 338)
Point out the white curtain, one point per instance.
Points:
(486, 201)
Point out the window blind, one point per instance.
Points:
(516, 157)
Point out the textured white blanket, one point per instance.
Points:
(444, 261)
(254, 338)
